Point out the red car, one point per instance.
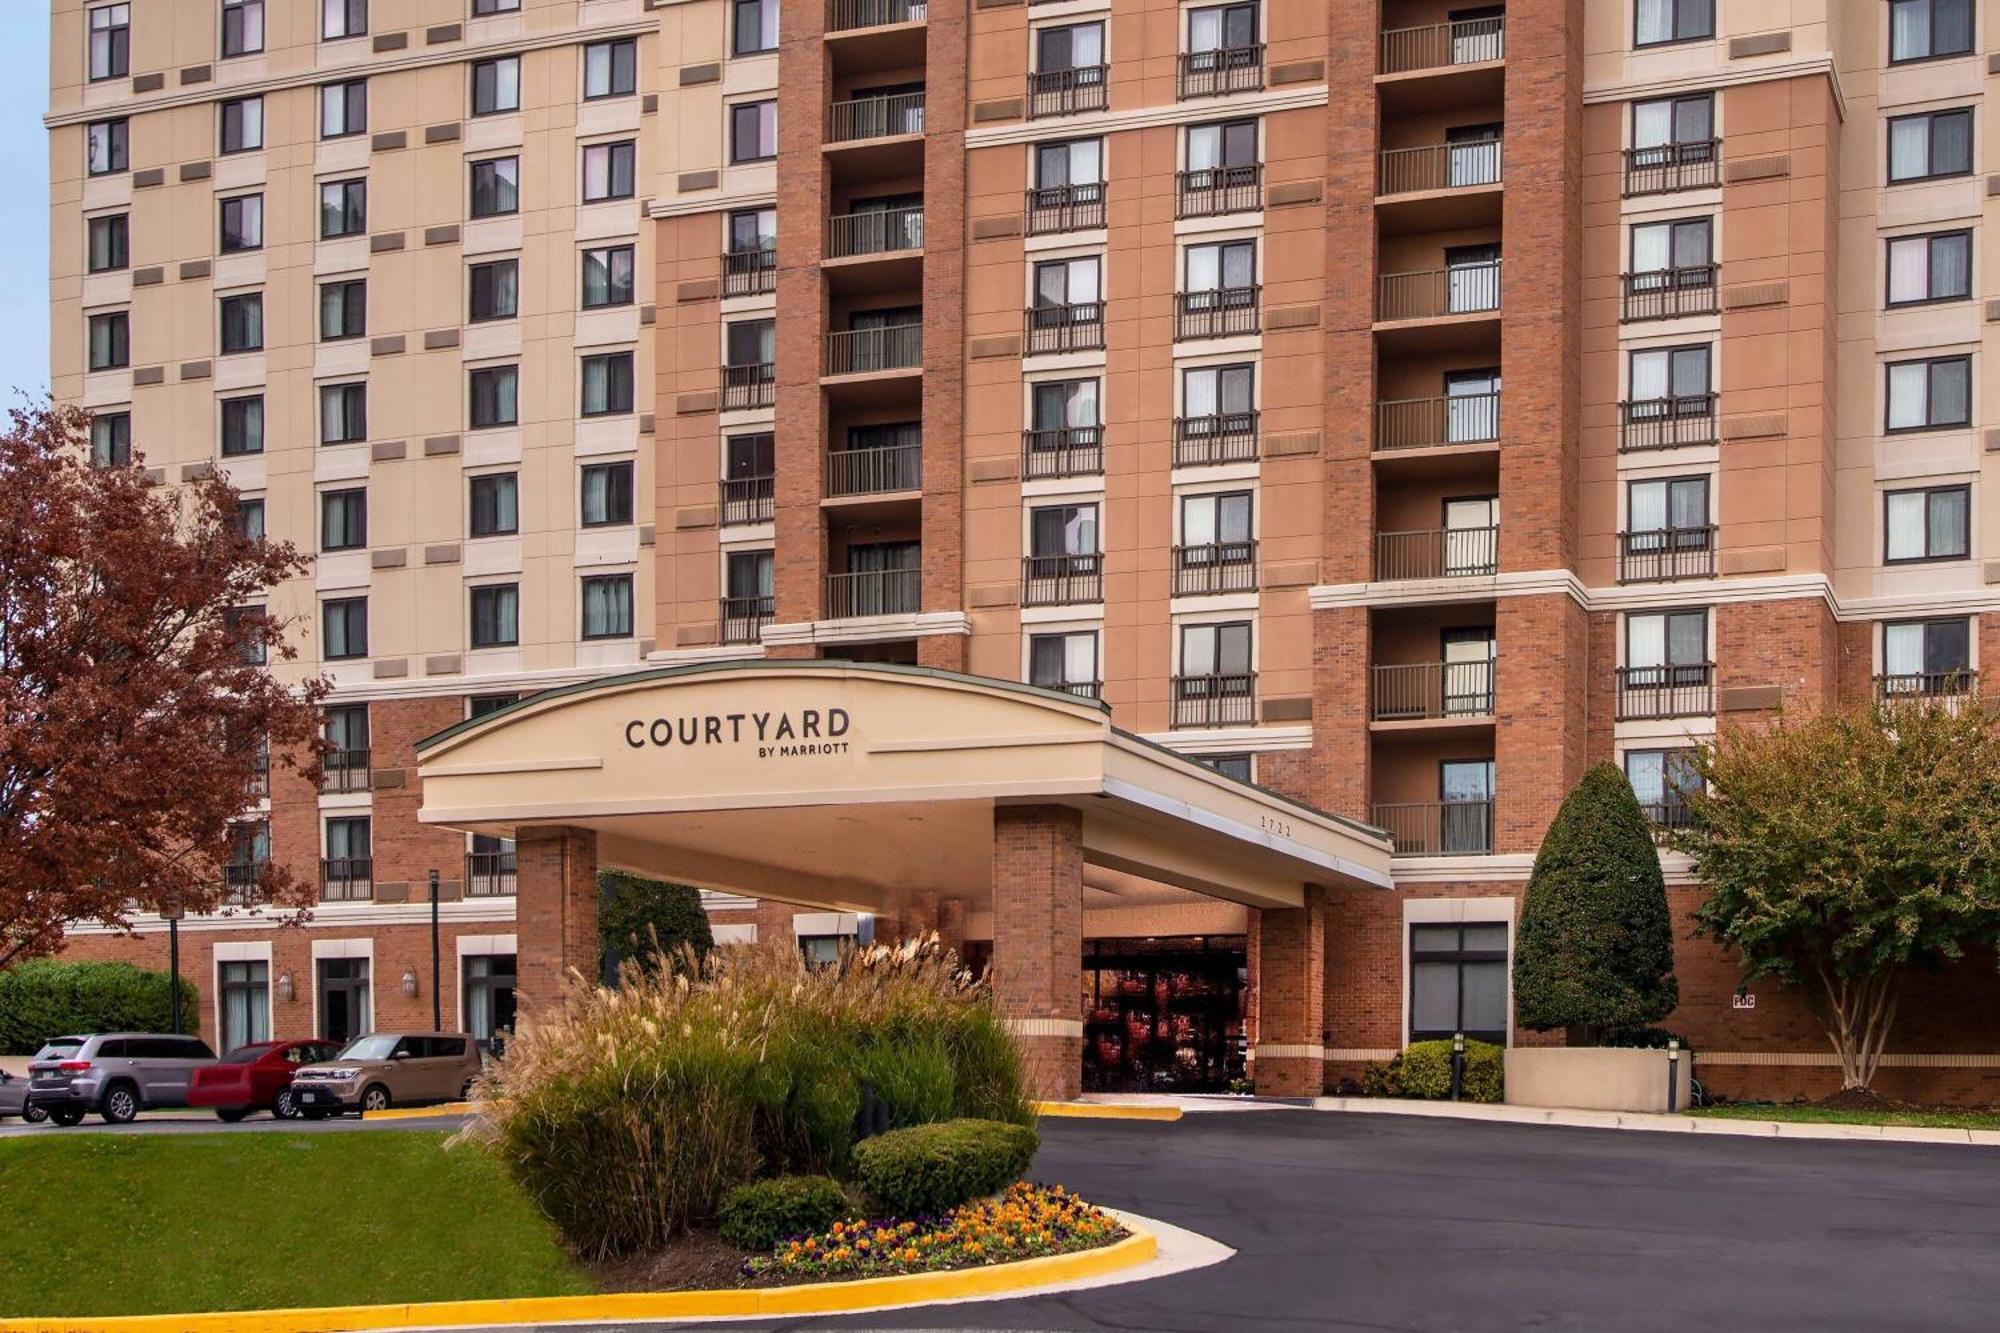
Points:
(257, 1075)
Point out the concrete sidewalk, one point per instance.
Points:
(1674, 1124)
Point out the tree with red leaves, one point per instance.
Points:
(135, 709)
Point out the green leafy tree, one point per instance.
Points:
(1844, 849)
(1594, 952)
(641, 918)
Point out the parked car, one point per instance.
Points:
(385, 1069)
(258, 1075)
(116, 1074)
(14, 1099)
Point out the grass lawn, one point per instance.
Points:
(1826, 1115)
(104, 1224)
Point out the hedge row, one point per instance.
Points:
(46, 998)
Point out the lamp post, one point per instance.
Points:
(1673, 1074)
(1457, 1064)
(173, 916)
(437, 999)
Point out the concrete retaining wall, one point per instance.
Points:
(1594, 1078)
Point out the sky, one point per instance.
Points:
(24, 214)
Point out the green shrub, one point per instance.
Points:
(1382, 1078)
(930, 1168)
(758, 1215)
(1646, 1039)
(47, 998)
(646, 920)
(1423, 1071)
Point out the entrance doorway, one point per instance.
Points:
(1164, 1014)
(343, 999)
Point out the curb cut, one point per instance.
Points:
(1659, 1124)
(1106, 1111)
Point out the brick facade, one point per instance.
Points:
(1038, 939)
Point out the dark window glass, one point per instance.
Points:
(242, 27)
(495, 393)
(109, 243)
(104, 147)
(496, 187)
(607, 606)
(607, 494)
(608, 277)
(1924, 29)
(496, 616)
(1659, 21)
(243, 323)
(608, 171)
(343, 208)
(242, 426)
(110, 340)
(343, 109)
(343, 413)
(343, 520)
(753, 131)
(495, 505)
(345, 624)
(242, 124)
(611, 69)
(753, 26)
(110, 44)
(1932, 143)
(343, 309)
(243, 223)
(496, 85)
(111, 439)
(607, 384)
(494, 290)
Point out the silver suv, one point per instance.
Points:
(116, 1074)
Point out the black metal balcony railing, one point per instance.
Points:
(243, 883)
(1220, 437)
(749, 272)
(846, 15)
(489, 874)
(1667, 167)
(1082, 689)
(1661, 555)
(1439, 166)
(1222, 70)
(875, 592)
(1667, 423)
(346, 879)
(1438, 828)
(1209, 569)
(882, 232)
(1062, 580)
(1225, 699)
(1955, 684)
(1065, 328)
(1441, 45)
(1064, 92)
(877, 117)
(875, 470)
(752, 385)
(1065, 451)
(1208, 192)
(258, 786)
(1437, 553)
(863, 351)
(1685, 690)
(1428, 423)
(1425, 690)
(1221, 312)
(742, 619)
(1669, 293)
(1059, 208)
(344, 770)
(1666, 816)
(748, 500)
(1463, 289)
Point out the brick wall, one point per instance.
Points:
(1038, 939)
(1289, 993)
(555, 911)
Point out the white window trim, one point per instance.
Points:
(1456, 911)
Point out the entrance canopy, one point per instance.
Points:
(854, 786)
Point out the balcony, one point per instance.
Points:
(1433, 423)
(1062, 580)
(874, 592)
(1651, 693)
(1661, 555)
(1082, 689)
(748, 386)
(1679, 422)
(1427, 691)
(1464, 289)
(1064, 328)
(1064, 92)
(749, 272)
(243, 883)
(346, 879)
(747, 500)
(1667, 816)
(881, 232)
(344, 771)
(1065, 451)
(1673, 166)
(1221, 437)
(1209, 192)
(1442, 45)
(742, 619)
(1222, 312)
(1227, 699)
(1909, 686)
(1221, 71)
(847, 15)
(870, 351)
(1669, 293)
(1438, 828)
(1211, 569)
(1054, 209)
(875, 470)
(489, 874)
(1439, 166)
(1437, 553)
(881, 117)
(257, 787)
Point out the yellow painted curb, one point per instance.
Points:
(871, 1293)
(421, 1112)
(1107, 1111)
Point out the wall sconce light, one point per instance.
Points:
(410, 984)
(285, 987)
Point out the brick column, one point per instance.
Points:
(1038, 941)
(1291, 998)
(555, 911)
(799, 443)
(1540, 732)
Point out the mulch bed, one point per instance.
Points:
(699, 1262)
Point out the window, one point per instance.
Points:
(1661, 377)
(1211, 651)
(1225, 266)
(489, 978)
(608, 277)
(1931, 144)
(245, 1003)
(250, 523)
(1927, 524)
(1656, 22)
(611, 69)
(1229, 765)
(1666, 649)
(496, 187)
(1663, 248)
(753, 131)
(242, 27)
(750, 458)
(496, 616)
(1926, 656)
(496, 85)
(608, 171)
(110, 42)
(344, 1010)
(111, 439)
(1066, 282)
(349, 848)
(343, 413)
(1209, 392)
(1930, 394)
(243, 223)
(607, 606)
(343, 520)
(347, 732)
(242, 124)
(1218, 527)
(242, 426)
(1662, 780)
(747, 575)
(104, 147)
(245, 624)
(750, 342)
(1458, 980)
(607, 384)
(1062, 405)
(345, 624)
(1066, 662)
(479, 705)
(1072, 163)
(343, 109)
(495, 505)
(243, 323)
(1222, 28)
(108, 242)
(753, 26)
(110, 340)
(1937, 267)
(495, 397)
(1925, 29)
(1663, 124)
(1213, 149)
(1073, 47)
(343, 309)
(494, 290)
(1664, 516)
(342, 18)
(1056, 531)
(250, 842)
(607, 494)
(343, 208)
(481, 8)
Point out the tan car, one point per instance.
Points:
(385, 1069)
